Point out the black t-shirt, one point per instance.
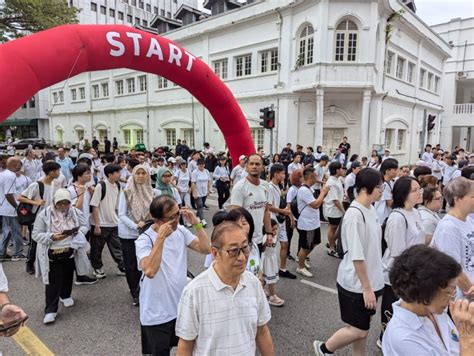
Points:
(345, 147)
(107, 146)
(95, 143)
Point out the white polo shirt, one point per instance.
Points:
(159, 295)
(221, 320)
(410, 334)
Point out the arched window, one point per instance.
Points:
(306, 45)
(346, 41)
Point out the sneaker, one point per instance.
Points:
(307, 264)
(80, 280)
(379, 343)
(204, 223)
(297, 259)
(304, 272)
(292, 258)
(275, 301)
(121, 272)
(332, 253)
(68, 302)
(30, 269)
(286, 274)
(136, 302)
(49, 318)
(317, 348)
(206, 207)
(26, 242)
(19, 257)
(99, 273)
(4, 258)
(327, 245)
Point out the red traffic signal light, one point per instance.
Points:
(431, 122)
(268, 118)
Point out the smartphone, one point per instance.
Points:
(12, 324)
(71, 232)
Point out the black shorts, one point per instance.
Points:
(157, 340)
(334, 221)
(353, 310)
(309, 239)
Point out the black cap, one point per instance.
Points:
(354, 165)
(324, 158)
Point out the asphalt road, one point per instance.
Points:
(104, 322)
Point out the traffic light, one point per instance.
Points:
(431, 122)
(268, 118)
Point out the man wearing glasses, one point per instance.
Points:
(224, 310)
(162, 257)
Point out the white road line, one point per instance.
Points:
(315, 285)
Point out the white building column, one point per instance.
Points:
(319, 120)
(364, 123)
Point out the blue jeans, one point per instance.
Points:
(11, 229)
(200, 202)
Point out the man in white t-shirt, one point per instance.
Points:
(427, 156)
(224, 310)
(332, 207)
(278, 213)
(31, 166)
(162, 257)
(308, 224)
(389, 170)
(296, 164)
(239, 171)
(251, 194)
(8, 205)
(105, 221)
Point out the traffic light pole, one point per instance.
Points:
(271, 137)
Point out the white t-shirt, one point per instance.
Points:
(274, 197)
(238, 173)
(350, 182)
(253, 198)
(309, 217)
(381, 205)
(7, 186)
(448, 173)
(108, 207)
(201, 178)
(3, 280)
(428, 158)
(291, 194)
(192, 166)
(124, 174)
(399, 237)
(221, 320)
(410, 334)
(183, 179)
(221, 172)
(362, 241)
(456, 238)
(22, 182)
(32, 169)
(320, 175)
(85, 203)
(293, 167)
(437, 168)
(159, 296)
(336, 192)
(33, 193)
(429, 220)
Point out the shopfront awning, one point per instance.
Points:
(19, 122)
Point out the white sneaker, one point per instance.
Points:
(306, 264)
(379, 343)
(68, 302)
(317, 348)
(304, 272)
(204, 223)
(49, 318)
(99, 273)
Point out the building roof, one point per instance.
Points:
(186, 8)
(208, 3)
(158, 18)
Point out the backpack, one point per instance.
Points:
(339, 248)
(294, 204)
(25, 214)
(384, 226)
(103, 187)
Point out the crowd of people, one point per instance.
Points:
(403, 233)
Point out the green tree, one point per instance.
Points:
(20, 17)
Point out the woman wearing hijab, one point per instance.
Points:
(164, 185)
(133, 212)
(60, 232)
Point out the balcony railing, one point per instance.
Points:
(463, 109)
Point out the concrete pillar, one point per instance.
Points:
(364, 123)
(319, 121)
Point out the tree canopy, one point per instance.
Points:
(21, 17)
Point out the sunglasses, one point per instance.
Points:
(235, 252)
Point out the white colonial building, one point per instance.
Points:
(367, 69)
(458, 84)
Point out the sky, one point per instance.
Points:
(438, 11)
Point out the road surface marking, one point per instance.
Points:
(30, 343)
(319, 286)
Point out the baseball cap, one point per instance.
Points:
(85, 155)
(172, 160)
(242, 157)
(354, 165)
(62, 194)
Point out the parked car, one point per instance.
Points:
(36, 143)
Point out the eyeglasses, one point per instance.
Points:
(452, 295)
(166, 176)
(171, 218)
(235, 252)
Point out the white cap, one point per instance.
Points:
(62, 194)
(172, 160)
(242, 157)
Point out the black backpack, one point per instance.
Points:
(25, 214)
(384, 226)
(103, 187)
(294, 204)
(339, 249)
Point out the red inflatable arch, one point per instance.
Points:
(38, 61)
